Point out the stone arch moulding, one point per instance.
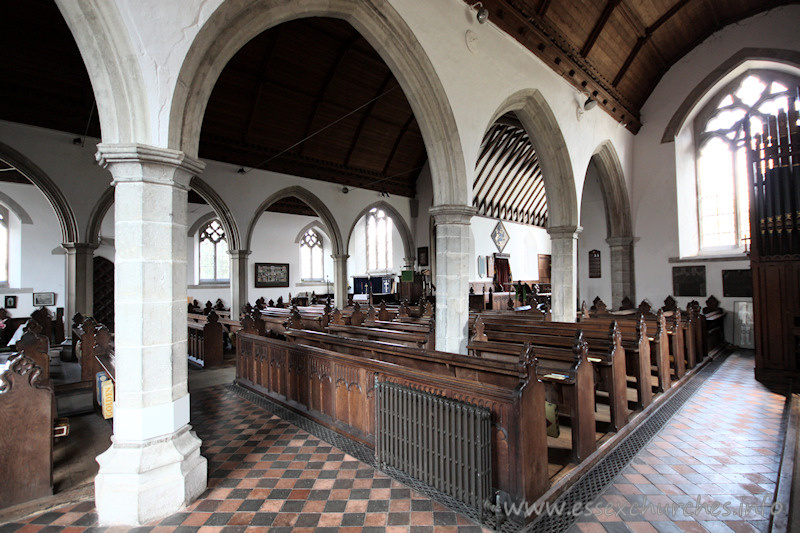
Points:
(618, 222)
(559, 182)
(724, 70)
(315, 225)
(329, 223)
(98, 214)
(615, 191)
(235, 23)
(220, 211)
(64, 213)
(399, 223)
(15, 208)
(117, 81)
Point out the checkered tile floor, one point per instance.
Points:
(267, 474)
(723, 447)
(713, 467)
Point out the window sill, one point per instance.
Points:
(210, 285)
(711, 258)
(312, 283)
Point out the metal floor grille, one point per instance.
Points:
(584, 491)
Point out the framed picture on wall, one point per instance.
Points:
(422, 256)
(41, 299)
(272, 275)
(10, 302)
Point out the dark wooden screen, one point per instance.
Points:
(104, 292)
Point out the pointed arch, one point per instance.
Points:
(235, 23)
(614, 189)
(619, 229)
(398, 221)
(59, 203)
(727, 70)
(315, 225)
(98, 214)
(219, 206)
(205, 191)
(109, 57)
(310, 199)
(542, 127)
(15, 208)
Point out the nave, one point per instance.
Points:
(265, 472)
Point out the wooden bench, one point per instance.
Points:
(26, 418)
(565, 368)
(337, 388)
(574, 383)
(605, 352)
(655, 332)
(204, 342)
(714, 333)
(391, 332)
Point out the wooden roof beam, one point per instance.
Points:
(262, 83)
(598, 27)
(648, 32)
(366, 114)
(325, 85)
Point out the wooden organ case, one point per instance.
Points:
(774, 181)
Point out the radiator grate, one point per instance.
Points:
(439, 441)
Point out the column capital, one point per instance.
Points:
(564, 232)
(452, 214)
(75, 247)
(144, 163)
(409, 261)
(619, 241)
(240, 254)
(340, 257)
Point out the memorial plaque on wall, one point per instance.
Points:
(689, 281)
(594, 263)
(737, 283)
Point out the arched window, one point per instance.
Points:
(3, 246)
(721, 130)
(379, 241)
(214, 260)
(311, 256)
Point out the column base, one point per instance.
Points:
(139, 482)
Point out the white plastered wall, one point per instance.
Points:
(36, 258)
(593, 237)
(524, 245)
(656, 201)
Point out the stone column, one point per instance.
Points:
(452, 275)
(340, 280)
(80, 280)
(622, 285)
(408, 263)
(153, 467)
(239, 269)
(564, 271)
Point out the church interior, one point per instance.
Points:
(389, 265)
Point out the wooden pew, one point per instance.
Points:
(637, 327)
(204, 343)
(715, 325)
(605, 352)
(574, 383)
(26, 439)
(569, 375)
(337, 389)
